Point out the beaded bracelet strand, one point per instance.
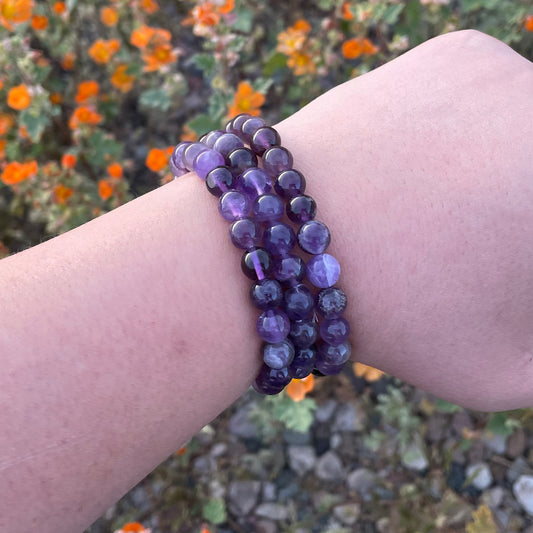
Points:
(288, 324)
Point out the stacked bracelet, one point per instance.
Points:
(295, 343)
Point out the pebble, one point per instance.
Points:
(218, 450)
(301, 459)
(436, 428)
(296, 437)
(272, 511)
(269, 491)
(335, 441)
(461, 420)
(479, 475)
(349, 417)
(362, 481)
(495, 442)
(243, 496)
(329, 467)
(523, 491)
(516, 444)
(415, 458)
(324, 411)
(519, 467)
(347, 513)
(241, 426)
(266, 526)
(493, 497)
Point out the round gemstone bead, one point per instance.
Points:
(298, 302)
(263, 139)
(206, 161)
(290, 183)
(250, 127)
(278, 355)
(245, 233)
(176, 164)
(255, 182)
(289, 269)
(256, 264)
(334, 331)
(303, 362)
(314, 237)
(237, 123)
(276, 159)
(191, 152)
(266, 294)
(267, 208)
(211, 137)
(301, 208)
(331, 302)
(226, 143)
(241, 159)
(279, 238)
(271, 380)
(333, 355)
(273, 325)
(323, 270)
(219, 181)
(303, 333)
(325, 369)
(233, 205)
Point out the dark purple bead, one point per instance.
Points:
(212, 136)
(314, 237)
(176, 164)
(226, 143)
(279, 238)
(250, 127)
(266, 294)
(206, 161)
(271, 380)
(303, 333)
(245, 233)
(263, 139)
(301, 209)
(219, 181)
(191, 153)
(273, 325)
(254, 182)
(333, 355)
(334, 331)
(298, 302)
(317, 372)
(331, 302)
(278, 355)
(323, 271)
(303, 362)
(276, 160)
(256, 264)
(267, 208)
(237, 123)
(325, 369)
(289, 269)
(290, 183)
(240, 160)
(233, 205)
(229, 126)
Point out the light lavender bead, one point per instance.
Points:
(212, 136)
(176, 163)
(254, 182)
(191, 152)
(206, 161)
(273, 325)
(233, 205)
(323, 271)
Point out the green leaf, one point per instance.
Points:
(35, 123)
(155, 99)
(275, 62)
(261, 85)
(391, 14)
(502, 424)
(101, 148)
(203, 123)
(244, 20)
(443, 406)
(297, 416)
(214, 511)
(483, 521)
(205, 62)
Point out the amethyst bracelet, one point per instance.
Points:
(303, 332)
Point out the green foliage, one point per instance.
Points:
(442, 406)
(214, 511)
(502, 424)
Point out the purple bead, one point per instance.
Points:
(323, 271)
(273, 325)
(301, 208)
(331, 302)
(191, 152)
(279, 238)
(245, 233)
(237, 123)
(256, 264)
(206, 161)
(219, 181)
(289, 269)
(255, 182)
(290, 183)
(303, 362)
(250, 127)
(263, 139)
(271, 380)
(267, 208)
(233, 205)
(298, 302)
(333, 355)
(325, 369)
(276, 159)
(303, 333)
(211, 137)
(240, 160)
(278, 355)
(266, 294)
(226, 143)
(314, 237)
(334, 331)
(176, 163)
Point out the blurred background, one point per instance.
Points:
(94, 95)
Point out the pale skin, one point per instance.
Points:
(122, 338)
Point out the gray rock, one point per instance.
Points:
(266, 526)
(140, 498)
(204, 465)
(502, 517)
(362, 481)
(335, 441)
(349, 417)
(301, 459)
(436, 428)
(495, 442)
(218, 450)
(479, 475)
(298, 438)
(347, 513)
(415, 458)
(217, 489)
(493, 497)
(324, 501)
(324, 411)
(519, 467)
(272, 511)
(269, 491)
(523, 491)
(241, 426)
(329, 467)
(243, 496)
(516, 444)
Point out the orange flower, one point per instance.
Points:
(68, 61)
(23, 133)
(298, 388)
(367, 372)
(346, 11)
(161, 55)
(246, 100)
(68, 161)
(149, 6)
(56, 98)
(528, 24)
(352, 49)
(301, 63)
(16, 172)
(227, 7)
(6, 123)
(115, 170)
(205, 530)
(181, 451)
(59, 8)
(15, 12)
(39, 22)
(157, 159)
(3, 143)
(133, 527)
(290, 41)
(141, 36)
(105, 189)
(84, 115)
(204, 15)
(369, 48)
(86, 90)
(62, 193)
(187, 134)
(18, 97)
(102, 51)
(302, 25)
(1, 84)
(109, 16)
(121, 79)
